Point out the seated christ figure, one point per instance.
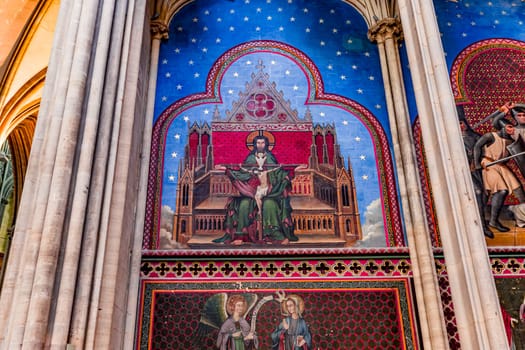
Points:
(262, 212)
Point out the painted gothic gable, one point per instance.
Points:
(323, 196)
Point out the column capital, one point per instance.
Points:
(159, 29)
(159, 19)
(384, 29)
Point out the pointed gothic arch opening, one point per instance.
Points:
(18, 129)
(14, 159)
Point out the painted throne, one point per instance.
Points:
(323, 195)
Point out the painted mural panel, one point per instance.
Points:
(301, 79)
(285, 314)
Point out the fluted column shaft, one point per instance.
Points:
(21, 239)
(386, 33)
(159, 31)
(476, 303)
(61, 181)
(119, 225)
(84, 170)
(45, 159)
(70, 284)
(101, 179)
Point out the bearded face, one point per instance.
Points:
(260, 145)
(520, 118)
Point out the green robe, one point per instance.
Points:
(242, 212)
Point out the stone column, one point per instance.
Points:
(75, 230)
(387, 33)
(71, 65)
(101, 180)
(84, 173)
(23, 248)
(159, 31)
(107, 314)
(476, 303)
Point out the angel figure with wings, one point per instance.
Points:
(235, 332)
(228, 314)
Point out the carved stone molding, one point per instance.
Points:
(384, 29)
(159, 29)
(159, 19)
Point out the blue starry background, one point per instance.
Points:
(463, 23)
(331, 33)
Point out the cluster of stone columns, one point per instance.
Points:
(386, 33)
(475, 299)
(67, 277)
(476, 304)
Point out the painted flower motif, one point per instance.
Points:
(260, 106)
(282, 116)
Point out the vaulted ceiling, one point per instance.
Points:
(15, 15)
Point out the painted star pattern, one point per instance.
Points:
(332, 34)
(465, 22)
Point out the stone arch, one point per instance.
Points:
(165, 11)
(17, 127)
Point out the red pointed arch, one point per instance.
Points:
(316, 95)
(486, 75)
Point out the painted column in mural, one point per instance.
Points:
(386, 33)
